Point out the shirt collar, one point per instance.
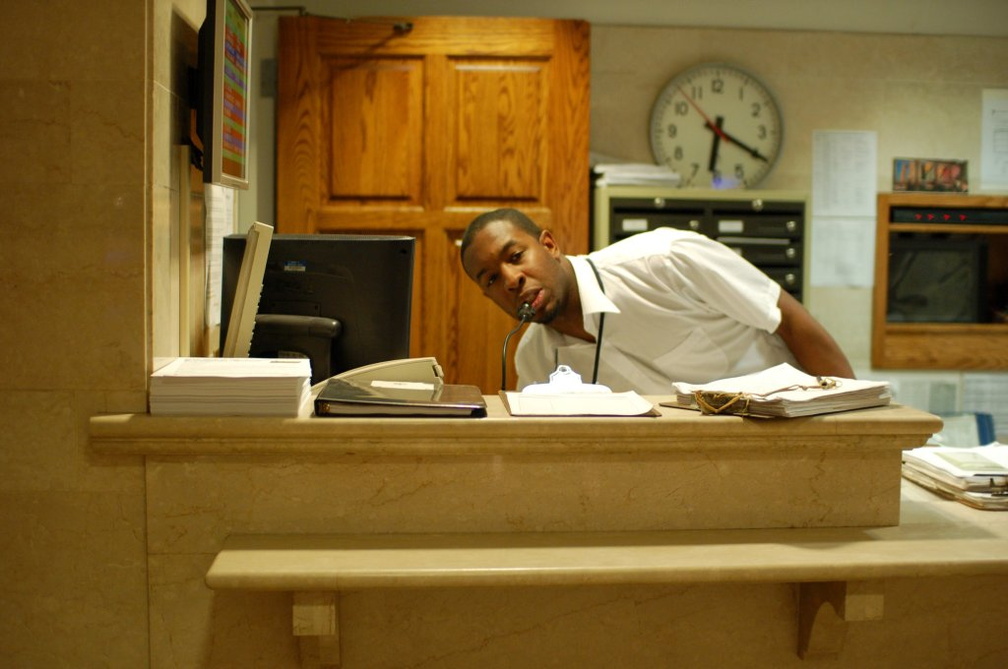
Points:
(593, 300)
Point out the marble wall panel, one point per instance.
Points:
(74, 579)
(194, 504)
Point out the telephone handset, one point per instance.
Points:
(406, 370)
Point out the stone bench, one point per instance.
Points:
(845, 567)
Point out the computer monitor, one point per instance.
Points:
(248, 288)
(221, 92)
(343, 301)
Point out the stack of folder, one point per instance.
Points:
(976, 476)
(231, 387)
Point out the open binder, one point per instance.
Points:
(781, 391)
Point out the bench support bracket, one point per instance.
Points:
(823, 629)
(316, 624)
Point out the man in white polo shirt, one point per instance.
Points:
(661, 306)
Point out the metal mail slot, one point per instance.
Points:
(763, 251)
(765, 226)
(789, 277)
(630, 223)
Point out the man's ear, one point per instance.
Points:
(547, 239)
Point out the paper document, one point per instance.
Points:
(581, 404)
(636, 174)
(566, 395)
(781, 391)
(976, 468)
(976, 476)
(231, 387)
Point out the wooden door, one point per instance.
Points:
(416, 125)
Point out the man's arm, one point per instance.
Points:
(812, 346)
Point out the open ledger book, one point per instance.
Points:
(780, 391)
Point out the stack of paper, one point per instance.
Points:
(633, 174)
(977, 476)
(231, 387)
(781, 391)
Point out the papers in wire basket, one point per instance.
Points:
(976, 476)
(780, 391)
(231, 387)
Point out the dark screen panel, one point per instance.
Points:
(937, 279)
(364, 282)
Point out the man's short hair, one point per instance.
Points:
(509, 215)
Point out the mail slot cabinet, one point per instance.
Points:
(767, 228)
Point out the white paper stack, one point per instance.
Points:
(231, 387)
(977, 476)
(784, 391)
(636, 174)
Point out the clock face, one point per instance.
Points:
(717, 126)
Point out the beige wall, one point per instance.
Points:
(90, 201)
(88, 194)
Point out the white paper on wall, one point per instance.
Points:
(994, 143)
(843, 208)
(220, 222)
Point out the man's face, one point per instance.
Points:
(511, 266)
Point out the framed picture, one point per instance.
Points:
(929, 175)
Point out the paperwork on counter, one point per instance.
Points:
(780, 391)
(231, 387)
(566, 395)
(977, 476)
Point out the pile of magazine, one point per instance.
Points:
(977, 475)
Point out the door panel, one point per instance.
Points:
(500, 120)
(415, 126)
(375, 117)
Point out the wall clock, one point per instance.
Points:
(717, 126)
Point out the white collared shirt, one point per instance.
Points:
(679, 307)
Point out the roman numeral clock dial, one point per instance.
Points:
(717, 126)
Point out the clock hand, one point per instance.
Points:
(707, 121)
(719, 133)
(745, 147)
(715, 144)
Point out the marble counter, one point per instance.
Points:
(753, 513)
(680, 470)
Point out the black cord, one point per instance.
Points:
(504, 352)
(601, 325)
